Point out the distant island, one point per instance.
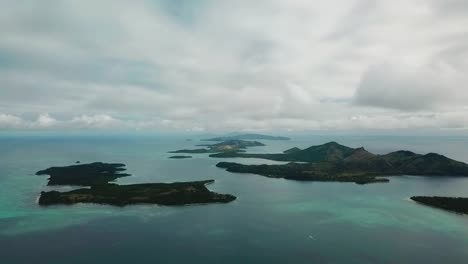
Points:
(84, 174)
(179, 193)
(180, 157)
(454, 204)
(233, 145)
(302, 172)
(247, 137)
(98, 175)
(193, 151)
(335, 162)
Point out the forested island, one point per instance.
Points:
(98, 176)
(303, 172)
(330, 162)
(84, 174)
(335, 162)
(178, 193)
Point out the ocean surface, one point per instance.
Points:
(272, 221)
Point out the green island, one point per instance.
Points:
(180, 157)
(98, 175)
(335, 162)
(84, 174)
(178, 193)
(324, 172)
(454, 204)
(246, 137)
(228, 146)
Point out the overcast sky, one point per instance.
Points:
(231, 65)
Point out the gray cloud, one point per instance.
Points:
(404, 89)
(232, 65)
(436, 87)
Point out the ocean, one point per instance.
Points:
(272, 220)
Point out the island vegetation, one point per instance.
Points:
(325, 172)
(335, 162)
(454, 204)
(84, 174)
(179, 193)
(291, 150)
(98, 175)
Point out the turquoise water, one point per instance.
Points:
(272, 221)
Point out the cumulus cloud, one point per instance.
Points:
(233, 65)
(46, 121)
(96, 121)
(10, 121)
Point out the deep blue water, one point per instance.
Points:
(272, 221)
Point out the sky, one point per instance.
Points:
(234, 65)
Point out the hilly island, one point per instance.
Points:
(330, 162)
(335, 162)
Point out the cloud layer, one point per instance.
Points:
(233, 65)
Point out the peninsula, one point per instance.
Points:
(178, 193)
(335, 162)
(454, 204)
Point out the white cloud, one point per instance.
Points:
(44, 121)
(96, 121)
(233, 65)
(382, 121)
(47, 122)
(10, 121)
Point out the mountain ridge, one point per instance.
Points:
(334, 162)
